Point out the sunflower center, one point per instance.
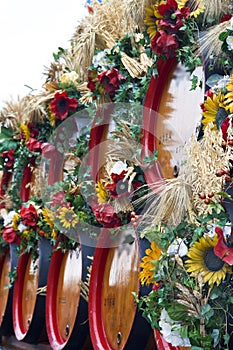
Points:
(212, 261)
(69, 216)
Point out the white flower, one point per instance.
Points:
(229, 42)
(177, 247)
(22, 227)
(8, 217)
(101, 61)
(118, 167)
(211, 230)
(170, 332)
(70, 77)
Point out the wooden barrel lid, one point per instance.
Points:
(5, 268)
(171, 115)
(25, 294)
(63, 295)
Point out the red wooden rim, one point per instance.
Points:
(2, 262)
(161, 343)
(97, 332)
(98, 134)
(19, 329)
(150, 115)
(56, 340)
(5, 180)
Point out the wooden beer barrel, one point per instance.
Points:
(66, 311)
(28, 300)
(8, 262)
(171, 116)
(115, 322)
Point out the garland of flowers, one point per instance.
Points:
(189, 262)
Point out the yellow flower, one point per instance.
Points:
(102, 193)
(15, 221)
(70, 77)
(212, 107)
(205, 264)
(152, 18)
(52, 118)
(196, 6)
(48, 217)
(25, 131)
(68, 217)
(54, 234)
(147, 265)
(25, 233)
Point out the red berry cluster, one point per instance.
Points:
(226, 173)
(134, 219)
(228, 142)
(206, 197)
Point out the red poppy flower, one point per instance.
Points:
(62, 104)
(9, 235)
(8, 158)
(224, 249)
(172, 19)
(33, 145)
(110, 80)
(164, 44)
(106, 216)
(29, 215)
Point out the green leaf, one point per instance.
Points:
(177, 312)
(213, 79)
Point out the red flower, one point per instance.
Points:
(32, 129)
(29, 215)
(118, 188)
(8, 158)
(223, 248)
(164, 44)
(62, 104)
(33, 145)
(58, 199)
(10, 236)
(225, 18)
(106, 216)
(91, 85)
(110, 80)
(172, 19)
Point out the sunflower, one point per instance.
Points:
(212, 107)
(205, 263)
(152, 18)
(196, 6)
(147, 273)
(102, 193)
(25, 131)
(15, 221)
(48, 217)
(68, 218)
